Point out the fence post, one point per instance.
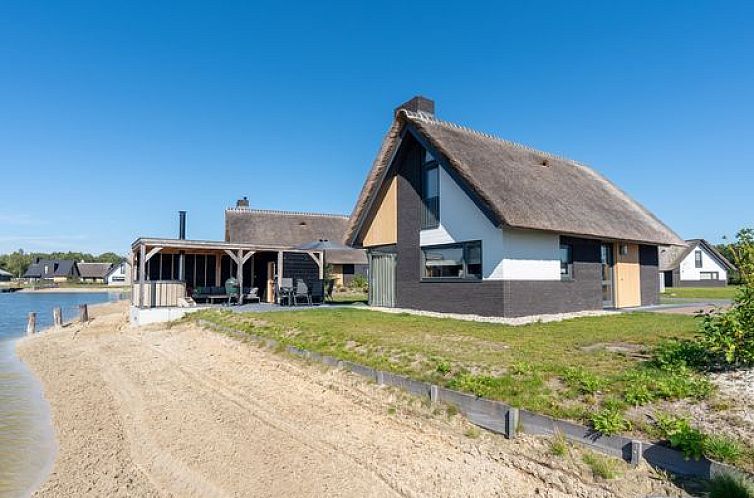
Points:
(84, 313)
(434, 393)
(31, 324)
(636, 452)
(511, 423)
(57, 317)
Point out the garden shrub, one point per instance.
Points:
(609, 421)
(730, 486)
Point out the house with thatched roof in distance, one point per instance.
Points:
(54, 270)
(244, 224)
(697, 263)
(455, 220)
(93, 273)
(119, 274)
(5, 276)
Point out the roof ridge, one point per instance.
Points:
(290, 213)
(429, 118)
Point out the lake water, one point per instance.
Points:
(27, 444)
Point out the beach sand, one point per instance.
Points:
(179, 411)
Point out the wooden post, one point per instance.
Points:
(142, 273)
(239, 275)
(83, 313)
(57, 317)
(31, 324)
(280, 269)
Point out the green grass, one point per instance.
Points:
(559, 369)
(700, 292)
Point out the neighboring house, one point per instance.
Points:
(57, 270)
(93, 273)
(119, 274)
(345, 265)
(292, 229)
(5, 276)
(455, 220)
(696, 264)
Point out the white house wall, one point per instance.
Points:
(461, 220)
(507, 254)
(689, 271)
(530, 255)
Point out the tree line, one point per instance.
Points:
(19, 261)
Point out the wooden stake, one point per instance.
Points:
(57, 317)
(31, 324)
(83, 313)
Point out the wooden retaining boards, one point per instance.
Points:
(508, 420)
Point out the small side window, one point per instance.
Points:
(566, 261)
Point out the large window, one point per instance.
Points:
(463, 260)
(430, 189)
(698, 259)
(566, 261)
(709, 275)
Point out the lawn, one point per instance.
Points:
(565, 369)
(700, 292)
(350, 297)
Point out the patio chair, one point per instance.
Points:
(285, 291)
(302, 290)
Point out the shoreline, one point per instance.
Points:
(73, 290)
(173, 409)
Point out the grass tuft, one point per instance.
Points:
(558, 444)
(602, 466)
(730, 486)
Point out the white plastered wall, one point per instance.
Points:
(689, 271)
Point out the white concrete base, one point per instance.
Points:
(138, 316)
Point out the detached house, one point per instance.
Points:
(455, 220)
(695, 264)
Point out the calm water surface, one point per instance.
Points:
(27, 444)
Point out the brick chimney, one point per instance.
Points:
(242, 203)
(418, 104)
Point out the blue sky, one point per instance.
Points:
(113, 116)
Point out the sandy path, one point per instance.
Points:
(178, 411)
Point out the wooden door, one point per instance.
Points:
(270, 291)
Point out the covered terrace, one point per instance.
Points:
(168, 271)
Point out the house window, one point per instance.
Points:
(698, 259)
(709, 275)
(348, 269)
(461, 261)
(430, 190)
(566, 261)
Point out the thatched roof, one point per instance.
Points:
(281, 228)
(522, 187)
(671, 257)
(346, 257)
(54, 267)
(94, 270)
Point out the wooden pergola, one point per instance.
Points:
(144, 249)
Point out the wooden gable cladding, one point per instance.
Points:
(627, 276)
(382, 227)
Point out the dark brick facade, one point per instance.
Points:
(649, 275)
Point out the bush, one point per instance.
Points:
(671, 355)
(609, 421)
(730, 486)
(729, 335)
(358, 281)
(682, 436)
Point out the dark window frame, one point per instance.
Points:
(714, 275)
(569, 262)
(348, 269)
(465, 245)
(698, 262)
(430, 206)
